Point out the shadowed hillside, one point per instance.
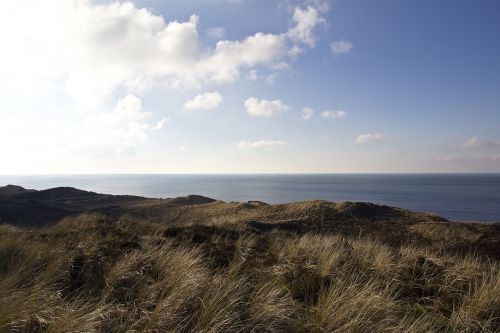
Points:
(30, 208)
(22, 207)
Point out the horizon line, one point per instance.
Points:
(255, 173)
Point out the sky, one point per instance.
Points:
(249, 86)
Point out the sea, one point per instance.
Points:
(458, 197)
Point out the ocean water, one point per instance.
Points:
(461, 197)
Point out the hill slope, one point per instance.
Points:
(389, 224)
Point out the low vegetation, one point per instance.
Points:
(96, 273)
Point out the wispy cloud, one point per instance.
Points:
(264, 108)
(306, 20)
(261, 144)
(471, 143)
(306, 113)
(333, 114)
(368, 137)
(216, 33)
(159, 125)
(477, 143)
(341, 47)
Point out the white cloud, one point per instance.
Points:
(306, 113)
(261, 144)
(91, 50)
(265, 108)
(333, 114)
(124, 128)
(78, 56)
(229, 57)
(322, 5)
(90, 133)
(368, 137)
(207, 101)
(305, 21)
(341, 47)
(216, 32)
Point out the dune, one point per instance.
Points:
(79, 261)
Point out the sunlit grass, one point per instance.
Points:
(89, 274)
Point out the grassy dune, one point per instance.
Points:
(95, 273)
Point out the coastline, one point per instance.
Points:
(459, 197)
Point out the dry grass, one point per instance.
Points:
(90, 274)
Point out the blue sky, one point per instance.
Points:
(207, 86)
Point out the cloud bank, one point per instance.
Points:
(94, 49)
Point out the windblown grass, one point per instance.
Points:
(91, 274)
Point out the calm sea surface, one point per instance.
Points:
(474, 197)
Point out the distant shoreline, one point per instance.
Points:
(459, 197)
